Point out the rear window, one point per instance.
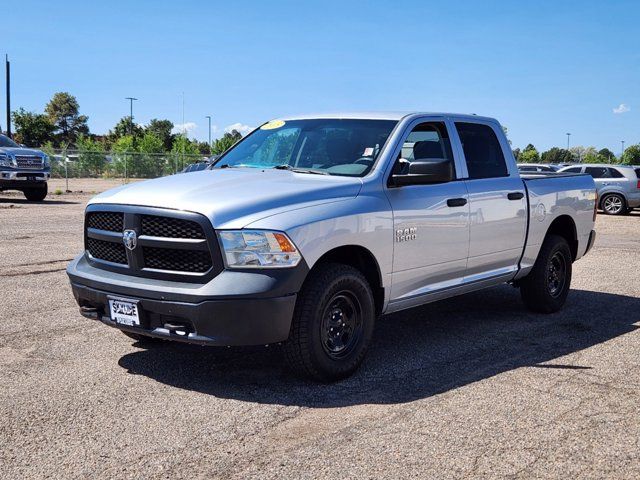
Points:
(615, 173)
(482, 151)
(597, 172)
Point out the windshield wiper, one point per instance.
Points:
(286, 166)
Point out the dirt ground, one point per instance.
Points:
(470, 387)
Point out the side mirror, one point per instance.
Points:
(423, 171)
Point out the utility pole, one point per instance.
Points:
(8, 70)
(568, 136)
(622, 141)
(209, 117)
(131, 100)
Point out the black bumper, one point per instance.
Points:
(236, 308)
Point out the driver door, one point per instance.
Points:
(431, 221)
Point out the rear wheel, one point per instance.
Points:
(546, 287)
(332, 324)
(36, 194)
(613, 204)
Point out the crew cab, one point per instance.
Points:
(311, 227)
(23, 169)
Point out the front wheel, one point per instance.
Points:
(546, 287)
(613, 204)
(332, 324)
(36, 194)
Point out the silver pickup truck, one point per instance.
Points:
(310, 228)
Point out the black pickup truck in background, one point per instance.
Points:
(23, 169)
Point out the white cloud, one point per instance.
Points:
(622, 108)
(240, 127)
(187, 127)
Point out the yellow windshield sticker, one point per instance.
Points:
(272, 125)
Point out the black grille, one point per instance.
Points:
(110, 221)
(170, 227)
(108, 251)
(196, 261)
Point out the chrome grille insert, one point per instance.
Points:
(29, 161)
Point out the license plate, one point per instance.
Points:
(125, 312)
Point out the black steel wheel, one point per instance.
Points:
(332, 323)
(546, 287)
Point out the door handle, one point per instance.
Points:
(456, 202)
(515, 195)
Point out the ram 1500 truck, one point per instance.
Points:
(23, 169)
(310, 228)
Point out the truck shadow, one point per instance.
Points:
(22, 201)
(415, 354)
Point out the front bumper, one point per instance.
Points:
(18, 179)
(235, 308)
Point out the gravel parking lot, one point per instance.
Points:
(470, 387)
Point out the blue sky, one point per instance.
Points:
(542, 68)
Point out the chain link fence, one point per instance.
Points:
(118, 165)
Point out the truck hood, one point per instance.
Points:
(234, 197)
(22, 151)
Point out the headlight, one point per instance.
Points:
(46, 161)
(258, 249)
(5, 160)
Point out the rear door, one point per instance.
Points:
(497, 202)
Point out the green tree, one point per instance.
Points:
(63, 112)
(631, 155)
(91, 156)
(516, 154)
(529, 155)
(557, 155)
(606, 156)
(204, 148)
(162, 129)
(32, 129)
(224, 143)
(150, 162)
(123, 128)
(183, 152)
(123, 149)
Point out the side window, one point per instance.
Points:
(482, 151)
(427, 141)
(573, 170)
(613, 173)
(597, 172)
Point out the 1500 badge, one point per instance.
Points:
(406, 234)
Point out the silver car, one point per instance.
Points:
(617, 185)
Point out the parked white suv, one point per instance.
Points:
(618, 186)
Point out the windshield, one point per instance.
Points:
(7, 142)
(328, 146)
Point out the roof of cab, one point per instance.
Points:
(381, 116)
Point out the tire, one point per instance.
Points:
(36, 194)
(546, 287)
(332, 324)
(613, 204)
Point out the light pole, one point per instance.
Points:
(131, 100)
(568, 137)
(622, 141)
(209, 117)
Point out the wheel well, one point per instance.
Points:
(363, 260)
(566, 228)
